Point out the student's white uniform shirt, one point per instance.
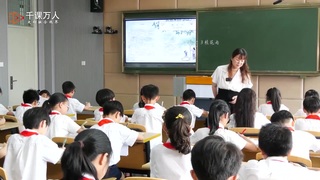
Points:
(119, 135)
(259, 121)
(221, 73)
(307, 124)
(27, 157)
(169, 164)
(41, 101)
(151, 119)
(227, 135)
(275, 168)
(61, 126)
(3, 110)
(300, 112)
(20, 110)
(74, 107)
(194, 110)
(267, 110)
(303, 142)
(136, 106)
(98, 115)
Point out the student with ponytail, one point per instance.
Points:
(61, 124)
(273, 104)
(172, 160)
(218, 119)
(87, 158)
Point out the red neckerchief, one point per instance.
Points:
(148, 107)
(27, 133)
(269, 102)
(313, 116)
(84, 178)
(168, 145)
(53, 113)
(291, 129)
(104, 121)
(184, 102)
(100, 109)
(26, 105)
(68, 96)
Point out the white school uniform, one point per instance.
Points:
(3, 110)
(20, 110)
(151, 117)
(157, 105)
(227, 135)
(310, 123)
(302, 143)
(74, 106)
(259, 121)
(275, 168)
(98, 115)
(61, 126)
(119, 136)
(221, 73)
(194, 110)
(27, 156)
(169, 164)
(300, 113)
(267, 110)
(41, 101)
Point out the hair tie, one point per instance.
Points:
(179, 116)
(81, 144)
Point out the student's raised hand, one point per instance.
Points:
(234, 100)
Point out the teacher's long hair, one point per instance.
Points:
(244, 69)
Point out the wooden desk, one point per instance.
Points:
(92, 108)
(129, 112)
(148, 136)
(8, 128)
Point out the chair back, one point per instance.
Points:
(88, 123)
(3, 174)
(10, 118)
(142, 178)
(62, 140)
(294, 159)
(315, 133)
(7, 137)
(136, 127)
(247, 131)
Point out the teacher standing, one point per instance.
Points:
(228, 80)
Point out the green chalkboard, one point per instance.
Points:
(277, 40)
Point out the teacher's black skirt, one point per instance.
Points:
(227, 95)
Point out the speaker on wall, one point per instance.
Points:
(96, 5)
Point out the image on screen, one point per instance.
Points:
(160, 41)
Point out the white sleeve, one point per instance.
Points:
(52, 153)
(236, 139)
(215, 75)
(129, 137)
(72, 126)
(78, 106)
(298, 125)
(196, 111)
(3, 110)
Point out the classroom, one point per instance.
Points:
(68, 50)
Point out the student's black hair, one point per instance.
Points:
(311, 104)
(150, 91)
(67, 87)
(245, 108)
(33, 117)
(44, 92)
(214, 159)
(0, 91)
(104, 95)
(111, 107)
(78, 156)
(275, 140)
(274, 96)
(177, 121)
(141, 103)
(30, 95)
(188, 95)
(54, 99)
(281, 117)
(311, 93)
(217, 109)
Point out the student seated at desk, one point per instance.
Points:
(171, 160)
(214, 159)
(29, 151)
(4, 110)
(102, 96)
(141, 103)
(87, 158)
(311, 122)
(273, 102)
(275, 142)
(75, 105)
(150, 115)
(303, 141)
(118, 134)
(43, 96)
(309, 93)
(189, 97)
(245, 113)
(218, 118)
(61, 124)
(30, 100)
